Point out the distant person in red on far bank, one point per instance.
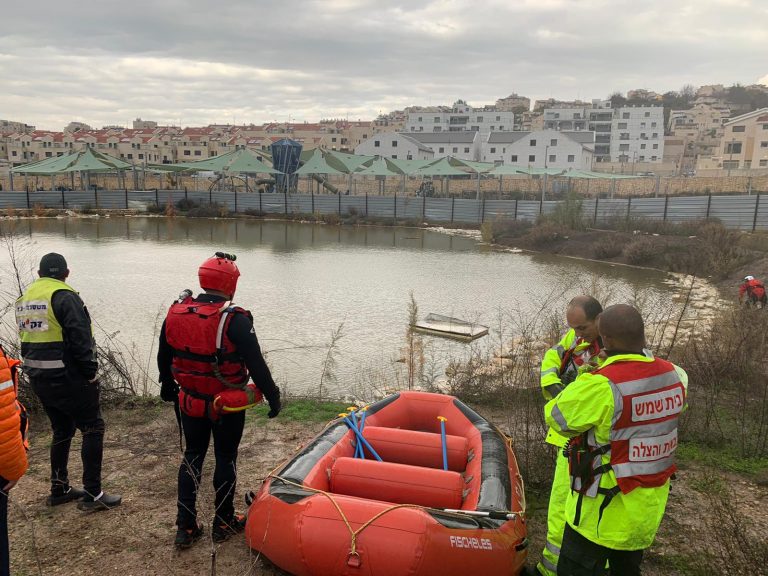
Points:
(754, 290)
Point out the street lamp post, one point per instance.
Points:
(634, 157)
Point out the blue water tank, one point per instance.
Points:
(285, 157)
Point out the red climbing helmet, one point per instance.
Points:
(219, 273)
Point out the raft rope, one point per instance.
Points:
(354, 555)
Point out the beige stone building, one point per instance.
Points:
(701, 130)
(744, 145)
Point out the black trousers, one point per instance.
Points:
(227, 432)
(582, 557)
(73, 406)
(5, 554)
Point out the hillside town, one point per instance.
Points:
(710, 131)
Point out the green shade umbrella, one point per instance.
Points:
(344, 162)
(477, 167)
(86, 160)
(410, 166)
(506, 170)
(380, 166)
(598, 175)
(542, 171)
(235, 162)
(440, 168)
(316, 164)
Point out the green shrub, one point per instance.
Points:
(502, 229)
(185, 204)
(544, 234)
(607, 250)
(213, 210)
(640, 251)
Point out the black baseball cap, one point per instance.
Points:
(53, 265)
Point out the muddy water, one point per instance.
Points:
(303, 281)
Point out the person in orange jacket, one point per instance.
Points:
(13, 453)
(754, 291)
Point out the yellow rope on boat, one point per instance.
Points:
(355, 533)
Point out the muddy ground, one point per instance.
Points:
(141, 462)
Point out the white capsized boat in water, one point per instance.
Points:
(439, 325)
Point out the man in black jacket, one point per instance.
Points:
(206, 356)
(59, 356)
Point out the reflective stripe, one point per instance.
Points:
(6, 385)
(554, 389)
(554, 370)
(558, 417)
(559, 349)
(549, 565)
(632, 387)
(640, 468)
(552, 548)
(43, 364)
(646, 431)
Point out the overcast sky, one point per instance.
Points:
(196, 62)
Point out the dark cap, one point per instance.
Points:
(53, 265)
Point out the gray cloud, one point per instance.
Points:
(196, 62)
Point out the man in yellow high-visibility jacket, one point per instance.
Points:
(575, 353)
(622, 424)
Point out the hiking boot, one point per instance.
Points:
(70, 494)
(222, 531)
(103, 501)
(185, 537)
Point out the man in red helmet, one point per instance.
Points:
(207, 354)
(754, 290)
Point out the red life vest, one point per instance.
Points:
(573, 360)
(205, 362)
(755, 288)
(648, 399)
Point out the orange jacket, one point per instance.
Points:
(13, 454)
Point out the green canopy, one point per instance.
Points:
(477, 167)
(380, 166)
(86, 160)
(598, 175)
(346, 162)
(410, 166)
(442, 167)
(542, 171)
(316, 164)
(506, 170)
(235, 162)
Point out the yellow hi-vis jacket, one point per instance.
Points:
(630, 521)
(552, 370)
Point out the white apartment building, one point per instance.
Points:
(395, 145)
(637, 134)
(541, 149)
(622, 135)
(462, 145)
(460, 118)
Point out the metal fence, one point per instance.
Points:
(745, 212)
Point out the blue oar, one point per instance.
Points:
(360, 436)
(443, 419)
(358, 445)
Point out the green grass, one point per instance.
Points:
(721, 458)
(302, 410)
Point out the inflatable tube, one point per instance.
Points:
(326, 513)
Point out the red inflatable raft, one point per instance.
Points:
(436, 504)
